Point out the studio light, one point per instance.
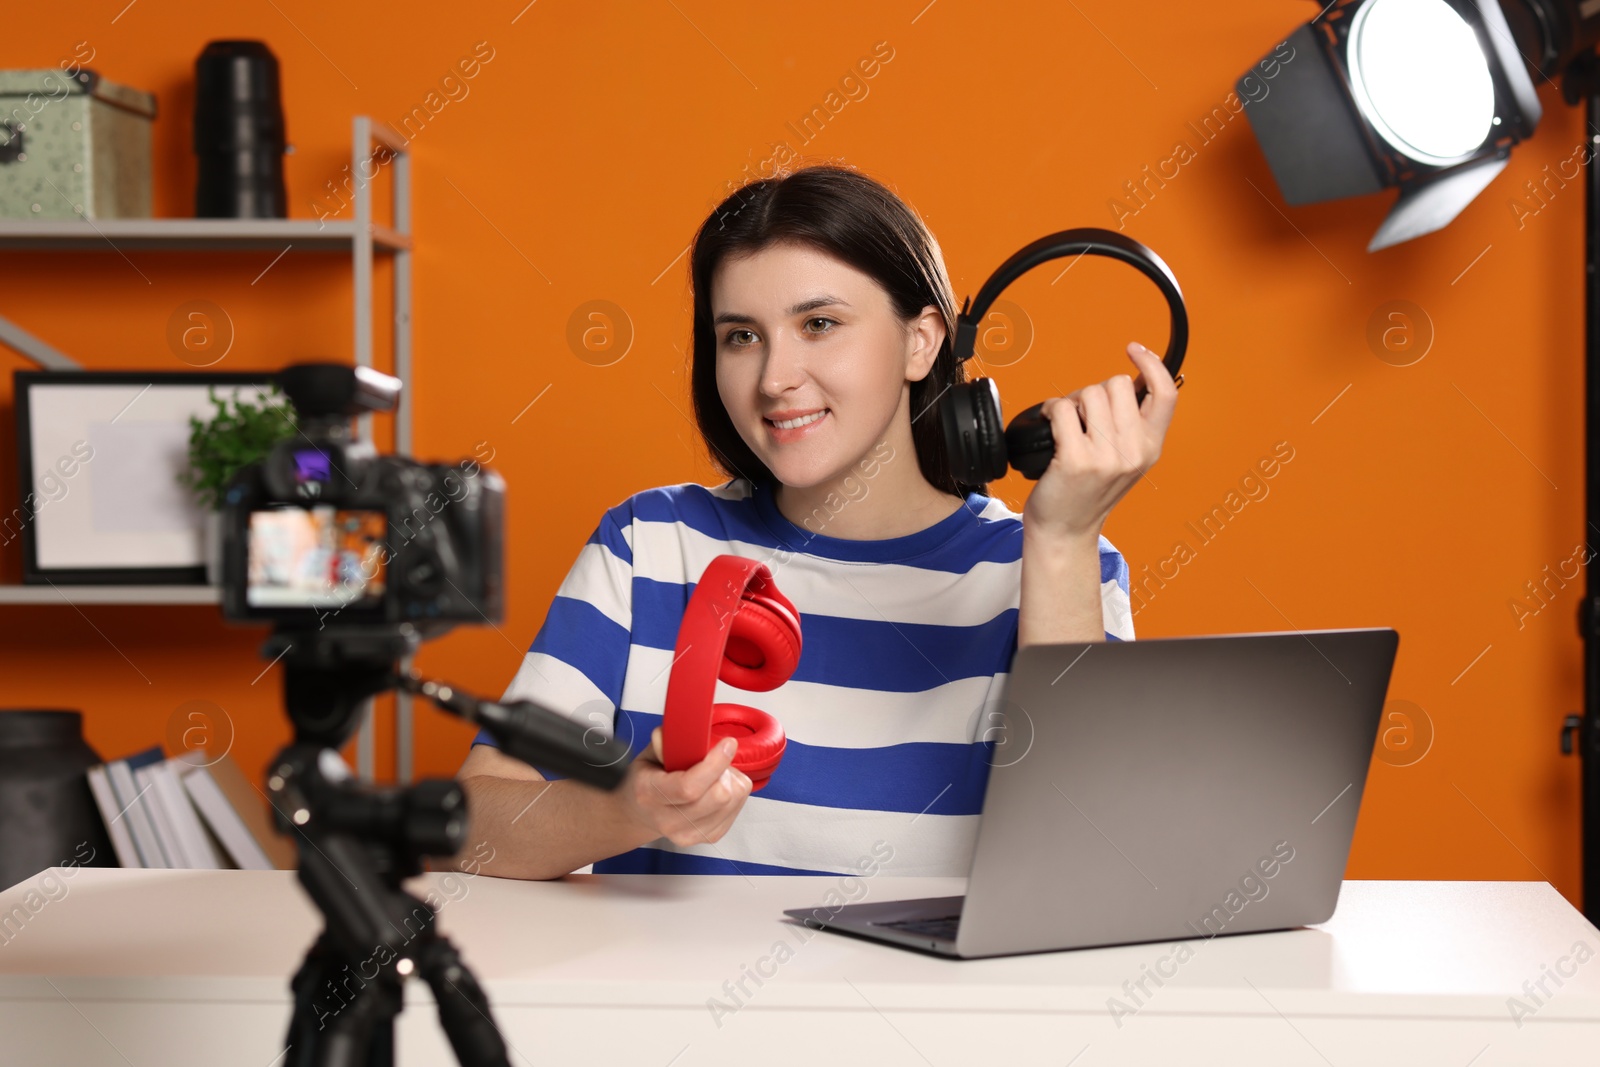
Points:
(1427, 96)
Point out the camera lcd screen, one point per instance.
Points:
(316, 557)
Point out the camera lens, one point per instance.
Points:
(239, 135)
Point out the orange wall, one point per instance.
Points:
(598, 136)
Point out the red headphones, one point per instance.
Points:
(738, 628)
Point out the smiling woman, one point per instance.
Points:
(821, 343)
(869, 326)
(809, 387)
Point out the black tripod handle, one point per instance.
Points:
(535, 735)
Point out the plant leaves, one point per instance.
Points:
(233, 438)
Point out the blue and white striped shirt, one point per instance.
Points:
(906, 643)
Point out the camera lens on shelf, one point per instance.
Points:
(239, 136)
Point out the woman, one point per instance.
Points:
(823, 320)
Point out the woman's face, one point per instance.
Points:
(813, 362)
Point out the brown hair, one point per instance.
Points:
(856, 219)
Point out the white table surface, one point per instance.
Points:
(179, 967)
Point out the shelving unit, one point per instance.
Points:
(110, 594)
(363, 238)
(192, 235)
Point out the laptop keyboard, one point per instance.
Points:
(942, 927)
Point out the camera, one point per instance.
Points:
(324, 531)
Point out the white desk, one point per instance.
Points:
(191, 967)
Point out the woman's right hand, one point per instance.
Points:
(688, 807)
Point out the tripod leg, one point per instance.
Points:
(309, 982)
(463, 1007)
(338, 1017)
(362, 1035)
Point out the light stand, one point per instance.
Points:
(1582, 80)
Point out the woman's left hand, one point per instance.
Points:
(1099, 459)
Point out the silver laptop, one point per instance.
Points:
(1161, 789)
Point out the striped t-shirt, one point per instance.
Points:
(906, 642)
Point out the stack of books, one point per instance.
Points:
(181, 812)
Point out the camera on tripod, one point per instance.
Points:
(325, 529)
(356, 559)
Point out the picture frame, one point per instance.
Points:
(98, 456)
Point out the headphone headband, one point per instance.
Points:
(703, 636)
(1084, 240)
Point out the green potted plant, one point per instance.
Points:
(241, 432)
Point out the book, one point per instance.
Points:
(112, 816)
(237, 813)
(191, 845)
(131, 801)
(160, 817)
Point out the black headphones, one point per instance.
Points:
(978, 451)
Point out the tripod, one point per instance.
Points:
(357, 844)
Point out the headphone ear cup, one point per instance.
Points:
(777, 603)
(1031, 442)
(763, 646)
(970, 414)
(760, 736)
